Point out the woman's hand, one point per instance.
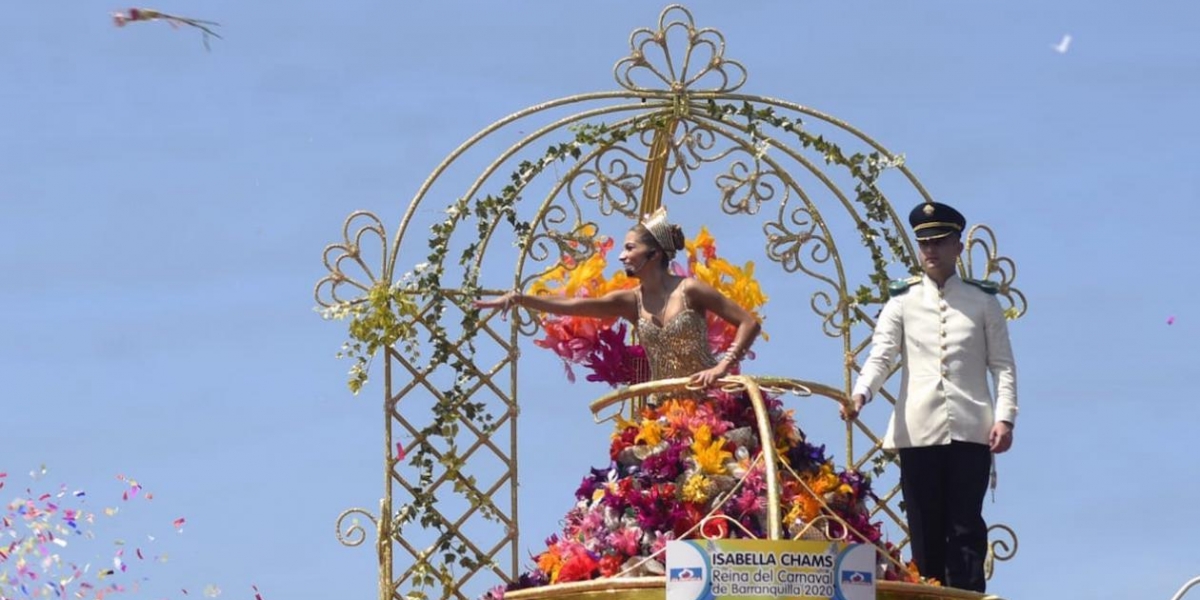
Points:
(707, 377)
(504, 302)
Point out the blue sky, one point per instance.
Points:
(163, 210)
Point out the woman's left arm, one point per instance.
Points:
(700, 295)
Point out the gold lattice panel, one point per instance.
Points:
(485, 458)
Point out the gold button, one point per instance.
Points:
(943, 333)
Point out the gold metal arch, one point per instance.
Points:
(679, 117)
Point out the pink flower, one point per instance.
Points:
(626, 541)
(659, 543)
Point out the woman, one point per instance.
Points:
(668, 311)
(690, 465)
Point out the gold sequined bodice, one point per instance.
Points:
(679, 348)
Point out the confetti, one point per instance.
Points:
(39, 528)
(400, 453)
(134, 15)
(1171, 320)
(178, 523)
(257, 596)
(211, 591)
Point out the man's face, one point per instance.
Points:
(939, 257)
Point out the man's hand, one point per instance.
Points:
(1001, 438)
(850, 411)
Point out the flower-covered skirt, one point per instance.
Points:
(690, 468)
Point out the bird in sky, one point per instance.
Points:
(1062, 46)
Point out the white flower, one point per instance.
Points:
(885, 162)
(761, 147)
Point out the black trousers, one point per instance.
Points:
(944, 488)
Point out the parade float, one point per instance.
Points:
(814, 193)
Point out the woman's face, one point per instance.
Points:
(635, 254)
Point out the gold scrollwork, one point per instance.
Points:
(354, 534)
(999, 549)
(650, 53)
(1001, 269)
(693, 144)
(609, 181)
(350, 248)
(785, 245)
(745, 189)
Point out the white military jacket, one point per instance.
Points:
(949, 339)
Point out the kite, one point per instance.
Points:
(146, 14)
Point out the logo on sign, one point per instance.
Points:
(687, 574)
(859, 577)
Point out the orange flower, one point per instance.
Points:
(550, 563)
(805, 508)
(825, 481)
(678, 414)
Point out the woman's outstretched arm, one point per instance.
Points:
(619, 303)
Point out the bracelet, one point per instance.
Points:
(733, 355)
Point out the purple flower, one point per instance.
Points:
(595, 480)
(666, 465)
(805, 456)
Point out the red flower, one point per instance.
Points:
(626, 439)
(611, 565)
(716, 527)
(691, 515)
(579, 566)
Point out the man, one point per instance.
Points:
(950, 332)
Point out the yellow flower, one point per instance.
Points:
(621, 426)
(700, 247)
(710, 455)
(650, 433)
(697, 489)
